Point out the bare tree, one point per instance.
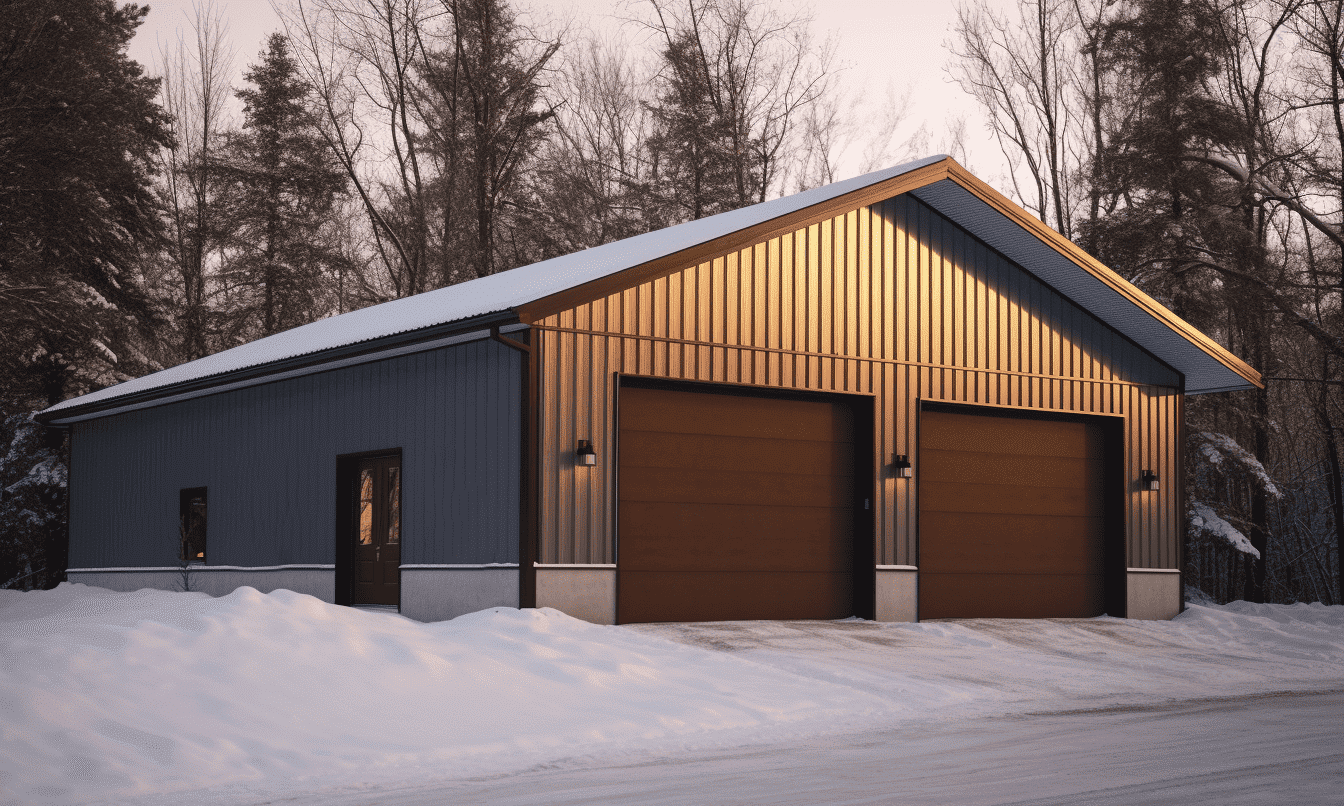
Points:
(194, 92)
(484, 120)
(434, 111)
(1024, 74)
(839, 122)
(594, 182)
(736, 81)
(358, 56)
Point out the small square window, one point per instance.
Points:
(191, 516)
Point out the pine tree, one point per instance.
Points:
(1190, 232)
(79, 126)
(33, 496)
(695, 145)
(1167, 55)
(485, 120)
(277, 186)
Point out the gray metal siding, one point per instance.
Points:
(267, 455)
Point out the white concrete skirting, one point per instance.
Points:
(438, 593)
(216, 580)
(1153, 594)
(582, 591)
(897, 593)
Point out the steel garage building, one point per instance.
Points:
(898, 396)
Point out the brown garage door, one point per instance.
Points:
(1010, 517)
(734, 507)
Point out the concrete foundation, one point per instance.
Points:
(438, 594)
(897, 593)
(587, 592)
(216, 580)
(1153, 594)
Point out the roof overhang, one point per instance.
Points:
(1058, 262)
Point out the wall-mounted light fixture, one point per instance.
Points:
(585, 455)
(902, 467)
(1150, 481)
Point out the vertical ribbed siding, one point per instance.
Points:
(267, 455)
(891, 300)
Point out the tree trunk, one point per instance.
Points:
(1334, 480)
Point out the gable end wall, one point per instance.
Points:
(892, 301)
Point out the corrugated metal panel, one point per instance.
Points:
(892, 300)
(267, 455)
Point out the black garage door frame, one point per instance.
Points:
(1113, 481)
(865, 477)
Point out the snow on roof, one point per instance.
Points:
(496, 293)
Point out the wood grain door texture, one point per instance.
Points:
(1011, 517)
(733, 507)
(377, 531)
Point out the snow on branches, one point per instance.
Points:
(1204, 521)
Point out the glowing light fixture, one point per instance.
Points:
(1150, 481)
(902, 467)
(585, 453)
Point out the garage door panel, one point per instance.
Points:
(1010, 436)
(700, 452)
(988, 467)
(733, 415)
(944, 595)
(1007, 499)
(1013, 544)
(1011, 517)
(733, 507)
(733, 596)
(685, 537)
(726, 487)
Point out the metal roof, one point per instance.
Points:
(938, 182)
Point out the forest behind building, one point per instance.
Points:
(375, 149)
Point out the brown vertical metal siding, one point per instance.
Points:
(891, 300)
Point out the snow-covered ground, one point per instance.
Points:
(155, 697)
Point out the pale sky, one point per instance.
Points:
(885, 43)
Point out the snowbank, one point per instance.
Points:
(121, 695)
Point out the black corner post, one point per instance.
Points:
(527, 514)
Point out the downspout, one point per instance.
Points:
(527, 514)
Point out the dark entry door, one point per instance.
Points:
(377, 532)
(734, 507)
(1011, 517)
